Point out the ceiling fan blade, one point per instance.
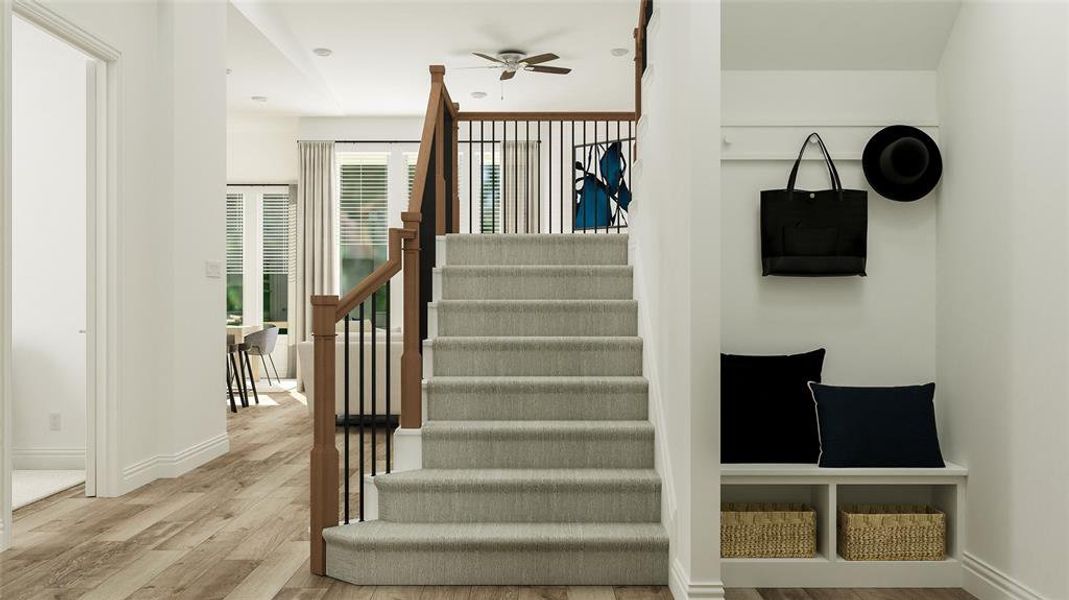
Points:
(553, 70)
(506, 75)
(541, 58)
(488, 57)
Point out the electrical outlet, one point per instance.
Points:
(213, 269)
(54, 422)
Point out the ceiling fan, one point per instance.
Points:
(512, 61)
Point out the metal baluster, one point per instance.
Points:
(471, 184)
(389, 430)
(361, 424)
(374, 390)
(345, 422)
(586, 152)
(631, 161)
(573, 177)
(505, 177)
(549, 178)
(516, 180)
(619, 211)
(538, 176)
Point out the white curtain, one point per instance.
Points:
(523, 207)
(317, 240)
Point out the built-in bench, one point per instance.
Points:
(828, 489)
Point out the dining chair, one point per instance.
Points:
(262, 343)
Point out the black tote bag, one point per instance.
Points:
(814, 233)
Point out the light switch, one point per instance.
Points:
(213, 269)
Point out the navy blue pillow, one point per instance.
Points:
(877, 426)
(766, 410)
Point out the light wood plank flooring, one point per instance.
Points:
(236, 528)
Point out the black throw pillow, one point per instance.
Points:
(877, 426)
(766, 410)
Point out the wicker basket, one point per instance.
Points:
(892, 532)
(768, 531)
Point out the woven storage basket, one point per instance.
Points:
(768, 531)
(892, 532)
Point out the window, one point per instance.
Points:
(363, 214)
(490, 207)
(276, 258)
(235, 257)
(260, 254)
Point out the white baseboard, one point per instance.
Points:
(988, 583)
(48, 459)
(173, 465)
(683, 589)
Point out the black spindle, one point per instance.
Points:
(345, 421)
(504, 176)
(389, 430)
(361, 423)
(374, 389)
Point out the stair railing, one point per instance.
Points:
(522, 172)
(432, 210)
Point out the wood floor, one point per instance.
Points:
(236, 528)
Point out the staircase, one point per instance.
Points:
(537, 451)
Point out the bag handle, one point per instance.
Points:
(833, 173)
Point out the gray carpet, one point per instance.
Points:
(537, 449)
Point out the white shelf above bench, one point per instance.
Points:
(791, 473)
(826, 490)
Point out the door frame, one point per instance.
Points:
(102, 251)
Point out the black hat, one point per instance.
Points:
(902, 163)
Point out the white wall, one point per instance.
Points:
(1003, 331)
(170, 178)
(880, 329)
(48, 250)
(676, 254)
(261, 149)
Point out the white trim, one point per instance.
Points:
(5, 273)
(684, 589)
(52, 22)
(48, 458)
(988, 583)
(174, 465)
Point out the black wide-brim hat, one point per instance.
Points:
(902, 163)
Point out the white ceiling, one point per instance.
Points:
(835, 34)
(382, 49)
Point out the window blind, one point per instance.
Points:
(363, 198)
(411, 160)
(276, 242)
(235, 231)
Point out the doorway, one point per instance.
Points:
(49, 302)
(82, 438)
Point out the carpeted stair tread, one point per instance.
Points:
(453, 536)
(533, 282)
(533, 398)
(519, 478)
(536, 355)
(535, 249)
(536, 317)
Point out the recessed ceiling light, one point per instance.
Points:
(322, 51)
(259, 98)
(620, 51)
(478, 94)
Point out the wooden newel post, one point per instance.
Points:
(411, 356)
(324, 497)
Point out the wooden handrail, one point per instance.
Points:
(378, 278)
(547, 116)
(423, 159)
